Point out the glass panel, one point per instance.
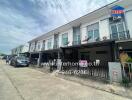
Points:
(38, 45)
(120, 27)
(93, 26)
(43, 45)
(76, 35)
(121, 31)
(49, 44)
(56, 42)
(64, 39)
(96, 34)
(90, 34)
(93, 31)
(114, 32)
(122, 35)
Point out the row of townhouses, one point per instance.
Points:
(20, 50)
(99, 35)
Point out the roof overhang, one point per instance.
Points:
(96, 14)
(122, 41)
(92, 44)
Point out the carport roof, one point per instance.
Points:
(92, 44)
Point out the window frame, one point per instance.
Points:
(65, 34)
(49, 42)
(93, 31)
(117, 28)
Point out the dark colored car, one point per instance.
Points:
(19, 61)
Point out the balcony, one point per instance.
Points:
(120, 35)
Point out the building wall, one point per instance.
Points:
(101, 56)
(129, 21)
(25, 48)
(104, 27)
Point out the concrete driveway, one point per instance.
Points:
(30, 84)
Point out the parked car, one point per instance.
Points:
(19, 61)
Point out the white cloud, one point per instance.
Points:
(23, 20)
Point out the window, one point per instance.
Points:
(65, 39)
(118, 31)
(93, 31)
(32, 47)
(43, 47)
(38, 46)
(56, 41)
(76, 35)
(49, 44)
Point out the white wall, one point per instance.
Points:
(104, 28)
(129, 22)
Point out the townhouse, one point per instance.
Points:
(97, 35)
(21, 50)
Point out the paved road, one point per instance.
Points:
(30, 84)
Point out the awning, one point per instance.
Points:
(92, 44)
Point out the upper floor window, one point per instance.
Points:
(43, 46)
(32, 47)
(76, 35)
(56, 41)
(118, 29)
(93, 31)
(49, 44)
(65, 39)
(38, 46)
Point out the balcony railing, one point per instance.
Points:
(120, 35)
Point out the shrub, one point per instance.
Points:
(129, 59)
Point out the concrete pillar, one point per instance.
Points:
(30, 58)
(59, 62)
(39, 59)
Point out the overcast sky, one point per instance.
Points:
(23, 20)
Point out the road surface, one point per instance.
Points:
(30, 84)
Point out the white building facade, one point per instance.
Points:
(96, 27)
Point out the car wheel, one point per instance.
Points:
(15, 65)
